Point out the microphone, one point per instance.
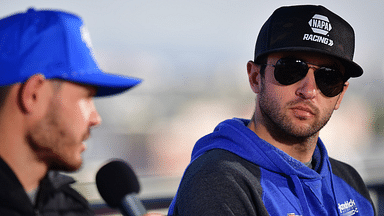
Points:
(118, 186)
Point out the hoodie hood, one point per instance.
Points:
(233, 135)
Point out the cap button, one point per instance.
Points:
(31, 10)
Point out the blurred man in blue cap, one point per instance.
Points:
(48, 80)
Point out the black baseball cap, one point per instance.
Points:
(311, 28)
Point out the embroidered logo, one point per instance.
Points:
(320, 25)
(293, 214)
(86, 38)
(348, 208)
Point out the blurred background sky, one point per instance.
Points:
(192, 57)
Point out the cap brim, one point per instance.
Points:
(107, 84)
(352, 69)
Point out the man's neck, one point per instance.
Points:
(14, 148)
(300, 149)
(27, 168)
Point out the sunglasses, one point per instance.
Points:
(290, 70)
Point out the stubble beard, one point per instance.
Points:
(47, 138)
(281, 126)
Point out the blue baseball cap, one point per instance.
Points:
(57, 45)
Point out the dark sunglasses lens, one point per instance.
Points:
(289, 71)
(329, 81)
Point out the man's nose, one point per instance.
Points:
(307, 86)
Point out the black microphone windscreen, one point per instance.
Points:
(115, 180)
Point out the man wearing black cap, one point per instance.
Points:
(48, 79)
(275, 163)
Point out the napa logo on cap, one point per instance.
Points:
(320, 26)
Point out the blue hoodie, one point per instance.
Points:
(289, 186)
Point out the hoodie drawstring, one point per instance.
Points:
(300, 193)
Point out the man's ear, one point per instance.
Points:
(340, 97)
(254, 76)
(31, 93)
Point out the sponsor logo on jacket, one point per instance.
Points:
(348, 208)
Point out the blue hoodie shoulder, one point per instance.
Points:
(284, 184)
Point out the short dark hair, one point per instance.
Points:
(4, 91)
(56, 84)
(262, 61)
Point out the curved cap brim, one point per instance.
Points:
(352, 69)
(107, 84)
